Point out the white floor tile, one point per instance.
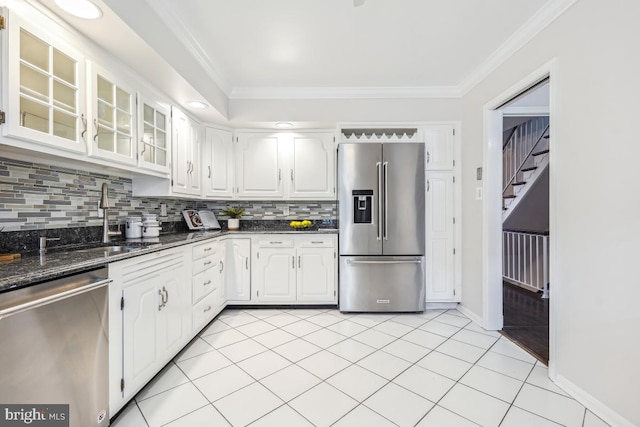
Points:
(351, 350)
(324, 338)
(425, 339)
(323, 405)
(239, 320)
(406, 350)
(438, 328)
(362, 416)
(204, 364)
(172, 404)
(374, 338)
(223, 382)
(274, 338)
(207, 416)
(507, 348)
(168, 378)
(453, 320)
(410, 320)
(242, 350)
(224, 338)
(473, 327)
(474, 338)
(426, 383)
(255, 328)
(323, 364)
(263, 364)
(296, 350)
(290, 382)
(284, 416)
(591, 420)
(455, 312)
(304, 313)
(216, 326)
(347, 328)
(130, 417)
(517, 417)
(357, 382)
(263, 313)
(474, 405)
(467, 352)
(324, 319)
(247, 404)
(230, 312)
(552, 406)
(393, 328)
(195, 348)
(506, 365)
(280, 320)
(432, 314)
(539, 376)
(398, 405)
(384, 364)
(445, 365)
(492, 383)
(440, 417)
(369, 320)
(300, 328)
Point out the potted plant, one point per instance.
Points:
(234, 215)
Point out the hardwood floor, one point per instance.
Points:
(526, 320)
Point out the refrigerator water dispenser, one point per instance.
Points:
(362, 206)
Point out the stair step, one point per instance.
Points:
(509, 196)
(532, 168)
(540, 153)
(519, 183)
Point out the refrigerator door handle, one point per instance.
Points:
(411, 261)
(386, 200)
(380, 213)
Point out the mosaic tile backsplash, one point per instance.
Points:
(38, 197)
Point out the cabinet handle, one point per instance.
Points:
(291, 175)
(428, 185)
(208, 282)
(207, 262)
(84, 124)
(428, 157)
(317, 243)
(221, 266)
(166, 293)
(207, 309)
(275, 243)
(279, 175)
(293, 262)
(97, 126)
(208, 249)
(161, 299)
(144, 146)
(209, 171)
(299, 261)
(246, 263)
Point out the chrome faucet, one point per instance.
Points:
(104, 205)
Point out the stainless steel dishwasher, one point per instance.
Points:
(54, 346)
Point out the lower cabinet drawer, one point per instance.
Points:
(206, 309)
(204, 283)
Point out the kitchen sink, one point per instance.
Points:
(111, 250)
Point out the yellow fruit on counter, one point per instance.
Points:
(306, 222)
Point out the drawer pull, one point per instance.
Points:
(207, 262)
(208, 249)
(317, 243)
(208, 282)
(275, 243)
(207, 309)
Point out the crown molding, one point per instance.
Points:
(344, 92)
(539, 21)
(167, 12)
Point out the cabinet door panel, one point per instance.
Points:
(439, 147)
(275, 275)
(258, 166)
(238, 270)
(173, 325)
(440, 236)
(312, 167)
(218, 165)
(316, 275)
(181, 155)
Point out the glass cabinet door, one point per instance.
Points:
(154, 135)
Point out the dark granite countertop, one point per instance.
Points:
(32, 269)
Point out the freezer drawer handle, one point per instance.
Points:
(413, 261)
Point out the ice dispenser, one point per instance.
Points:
(362, 206)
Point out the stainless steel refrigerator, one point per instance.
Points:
(381, 215)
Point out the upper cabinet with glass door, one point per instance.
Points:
(44, 90)
(154, 135)
(112, 118)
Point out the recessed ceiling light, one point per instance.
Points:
(196, 104)
(84, 9)
(284, 125)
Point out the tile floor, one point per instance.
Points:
(302, 367)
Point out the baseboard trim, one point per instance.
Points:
(605, 413)
(441, 305)
(471, 315)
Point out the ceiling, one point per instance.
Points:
(319, 48)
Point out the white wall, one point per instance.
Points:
(596, 173)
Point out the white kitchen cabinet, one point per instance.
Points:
(439, 147)
(208, 281)
(149, 319)
(111, 117)
(259, 165)
(45, 88)
(440, 237)
(154, 135)
(217, 164)
(312, 163)
(316, 274)
(274, 274)
(185, 176)
(238, 267)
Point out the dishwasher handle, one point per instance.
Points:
(28, 303)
